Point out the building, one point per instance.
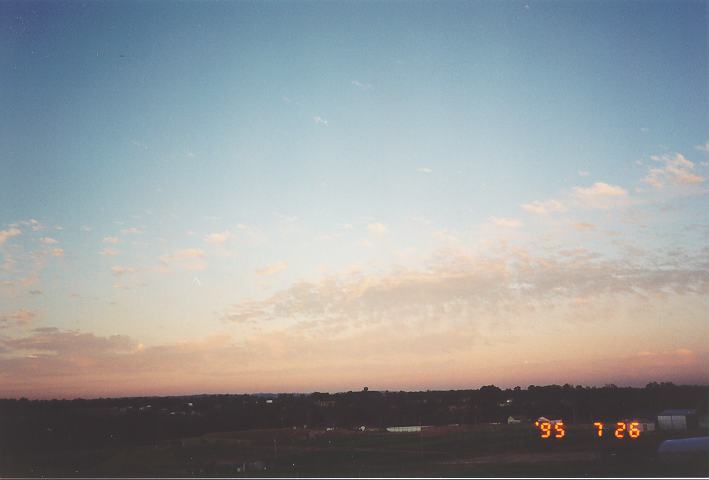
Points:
(677, 419)
(546, 420)
(645, 425)
(412, 428)
(515, 419)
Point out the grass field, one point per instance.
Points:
(483, 450)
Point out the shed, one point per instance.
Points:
(412, 428)
(677, 419)
(516, 419)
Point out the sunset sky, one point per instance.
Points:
(225, 197)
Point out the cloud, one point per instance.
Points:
(35, 292)
(460, 288)
(188, 253)
(218, 238)
(377, 229)
(703, 148)
(364, 86)
(109, 252)
(49, 362)
(119, 270)
(424, 170)
(9, 233)
(58, 252)
(460, 308)
(18, 318)
(320, 120)
(506, 222)
(48, 241)
(583, 173)
(113, 240)
(69, 363)
(272, 269)
(445, 235)
(676, 170)
(582, 226)
(55, 342)
(600, 195)
(600, 189)
(544, 207)
(33, 224)
(185, 259)
(131, 231)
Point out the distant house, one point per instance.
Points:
(546, 420)
(515, 419)
(677, 419)
(411, 428)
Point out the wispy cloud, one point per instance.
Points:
(48, 241)
(377, 229)
(58, 252)
(445, 235)
(320, 120)
(132, 231)
(185, 259)
(272, 269)
(112, 240)
(544, 207)
(109, 252)
(703, 148)
(187, 253)
(675, 170)
(119, 270)
(584, 226)
(9, 233)
(424, 170)
(33, 224)
(218, 238)
(583, 173)
(20, 317)
(600, 189)
(362, 85)
(506, 222)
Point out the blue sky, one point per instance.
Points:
(183, 161)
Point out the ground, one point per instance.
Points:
(473, 450)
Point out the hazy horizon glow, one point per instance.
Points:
(270, 197)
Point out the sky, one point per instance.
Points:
(233, 197)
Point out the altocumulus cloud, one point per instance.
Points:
(460, 287)
(544, 207)
(272, 269)
(185, 259)
(674, 170)
(9, 233)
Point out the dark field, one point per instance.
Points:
(320, 434)
(483, 450)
